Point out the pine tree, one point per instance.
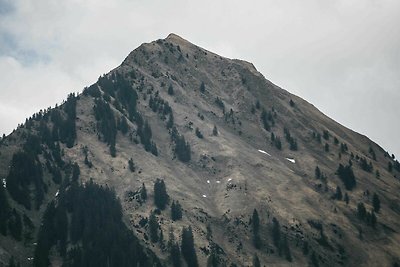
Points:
(276, 232)
(338, 194)
(176, 211)
(153, 228)
(256, 261)
(376, 203)
(160, 194)
(143, 193)
(170, 90)
(346, 198)
(202, 87)
(256, 229)
(317, 173)
(187, 247)
(215, 130)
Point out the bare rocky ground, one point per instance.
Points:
(228, 176)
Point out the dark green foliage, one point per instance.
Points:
(187, 247)
(24, 171)
(372, 153)
(292, 104)
(143, 193)
(98, 236)
(131, 165)
(182, 148)
(317, 173)
(75, 172)
(278, 143)
(13, 263)
(343, 148)
(290, 139)
(326, 147)
(116, 86)
(161, 197)
(170, 90)
(255, 223)
(267, 119)
(336, 141)
(123, 125)
(92, 90)
(346, 198)
(202, 87)
(325, 135)
(106, 124)
(346, 174)
(256, 261)
(376, 203)
(174, 250)
(145, 135)
(285, 249)
(15, 225)
(176, 211)
(276, 232)
(338, 194)
(4, 210)
(159, 105)
(198, 133)
(215, 130)
(220, 103)
(361, 211)
(365, 165)
(153, 228)
(258, 104)
(170, 122)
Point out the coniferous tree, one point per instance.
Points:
(376, 203)
(176, 211)
(198, 133)
(361, 211)
(170, 90)
(338, 194)
(187, 247)
(317, 173)
(346, 198)
(4, 210)
(256, 261)
(276, 232)
(143, 193)
(215, 130)
(202, 87)
(153, 228)
(255, 220)
(161, 197)
(346, 174)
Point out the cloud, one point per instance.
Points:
(346, 51)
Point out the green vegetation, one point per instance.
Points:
(176, 211)
(187, 247)
(161, 197)
(97, 234)
(25, 170)
(346, 174)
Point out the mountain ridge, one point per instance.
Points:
(229, 173)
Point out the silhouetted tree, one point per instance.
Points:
(187, 247)
(160, 194)
(143, 192)
(255, 220)
(202, 87)
(346, 174)
(170, 90)
(176, 211)
(215, 130)
(153, 228)
(376, 203)
(338, 194)
(256, 261)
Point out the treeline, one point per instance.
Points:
(95, 235)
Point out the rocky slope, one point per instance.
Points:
(254, 168)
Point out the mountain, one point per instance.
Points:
(181, 157)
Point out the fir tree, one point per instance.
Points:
(160, 194)
(153, 228)
(376, 203)
(143, 193)
(187, 247)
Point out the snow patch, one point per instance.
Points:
(58, 192)
(291, 160)
(204, 196)
(208, 181)
(4, 183)
(230, 179)
(262, 151)
(218, 182)
(29, 259)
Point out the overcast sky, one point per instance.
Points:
(343, 56)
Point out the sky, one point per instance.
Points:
(343, 56)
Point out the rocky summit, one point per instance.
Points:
(182, 157)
